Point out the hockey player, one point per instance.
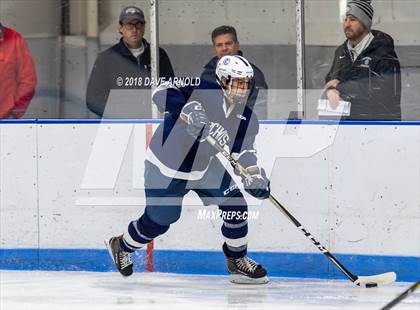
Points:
(179, 160)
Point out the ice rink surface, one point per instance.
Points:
(85, 290)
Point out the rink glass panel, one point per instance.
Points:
(324, 33)
(266, 33)
(64, 55)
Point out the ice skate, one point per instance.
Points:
(121, 258)
(244, 270)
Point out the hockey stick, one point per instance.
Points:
(364, 281)
(403, 295)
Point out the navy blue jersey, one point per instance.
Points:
(179, 155)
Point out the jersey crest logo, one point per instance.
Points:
(219, 133)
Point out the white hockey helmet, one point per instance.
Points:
(230, 68)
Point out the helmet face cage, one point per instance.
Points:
(234, 89)
(232, 73)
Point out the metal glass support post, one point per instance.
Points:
(154, 48)
(92, 37)
(300, 57)
(64, 31)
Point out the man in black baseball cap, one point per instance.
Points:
(132, 25)
(125, 66)
(131, 14)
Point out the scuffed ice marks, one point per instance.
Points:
(84, 290)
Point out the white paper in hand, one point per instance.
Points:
(324, 108)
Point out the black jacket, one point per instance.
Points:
(257, 100)
(373, 82)
(117, 69)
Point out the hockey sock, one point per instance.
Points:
(140, 233)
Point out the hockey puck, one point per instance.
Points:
(369, 285)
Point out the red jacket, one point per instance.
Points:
(17, 75)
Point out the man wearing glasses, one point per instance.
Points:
(120, 79)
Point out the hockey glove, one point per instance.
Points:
(257, 185)
(195, 116)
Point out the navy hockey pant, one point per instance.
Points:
(164, 197)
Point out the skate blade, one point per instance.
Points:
(108, 246)
(241, 279)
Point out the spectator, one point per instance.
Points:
(225, 42)
(17, 74)
(125, 66)
(366, 70)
